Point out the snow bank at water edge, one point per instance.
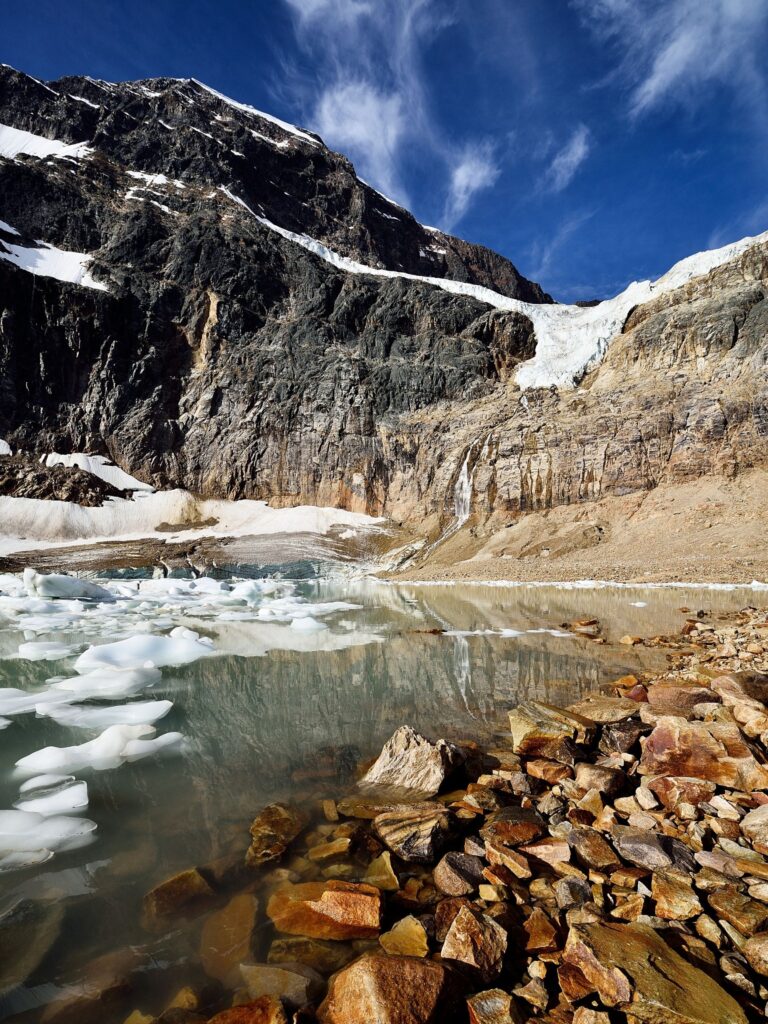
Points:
(569, 339)
(34, 523)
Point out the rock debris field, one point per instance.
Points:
(604, 862)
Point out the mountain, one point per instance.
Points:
(211, 297)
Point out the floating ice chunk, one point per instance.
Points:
(168, 742)
(18, 702)
(18, 861)
(25, 832)
(141, 713)
(141, 651)
(307, 624)
(108, 750)
(45, 650)
(4, 723)
(65, 799)
(108, 684)
(44, 782)
(60, 585)
(206, 585)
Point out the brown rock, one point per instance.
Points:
(678, 699)
(755, 826)
(542, 934)
(416, 834)
(632, 969)
(507, 858)
(640, 847)
(755, 949)
(537, 728)
(622, 736)
(261, 1011)
(477, 940)
(592, 851)
(408, 761)
(493, 1007)
(550, 771)
(181, 895)
(673, 791)
(225, 940)
(392, 990)
(745, 914)
(327, 910)
(334, 849)
(381, 873)
(458, 874)
(583, 1015)
(407, 937)
(715, 751)
(606, 710)
(605, 780)
(325, 957)
(294, 984)
(674, 896)
(550, 851)
(272, 831)
(513, 825)
(445, 912)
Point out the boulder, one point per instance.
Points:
(714, 751)
(605, 780)
(272, 831)
(538, 729)
(407, 937)
(265, 1010)
(416, 834)
(605, 710)
(493, 1007)
(225, 940)
(409, 761)
(631, 968)
(541, 933)
(477, 940)
(182, 895)
(746, 915)
(513, 825)
(674, 896)
(28, 929)
(458, 874)
(323, 956)
(755, 949)
(294, 984)
(677, 698)
(327, 910)
(393, 990)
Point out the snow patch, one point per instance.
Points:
(101, 467)
(17, 142)
(48, 261)
(245, 108)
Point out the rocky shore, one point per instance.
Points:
(603, 862)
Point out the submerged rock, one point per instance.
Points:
(181, 895)
(225, 941)
(409, 761)
(27, 932)
(294, 984)
(327, 910)
(393, 990)
(272, 831)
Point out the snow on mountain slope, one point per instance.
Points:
(45, 260)
(16, 142)
(570, 340)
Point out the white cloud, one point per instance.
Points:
(369, 99)
(567, 161)
(368, 125)
(671, 51)
(544, 255)
(474, 170)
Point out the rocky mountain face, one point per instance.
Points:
(215, 331)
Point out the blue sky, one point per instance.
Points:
(592, 141)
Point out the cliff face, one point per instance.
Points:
(205, 347)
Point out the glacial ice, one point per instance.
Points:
(118, 743)
(139, 713)
(144, 651)
(59, 585)
(66, 799)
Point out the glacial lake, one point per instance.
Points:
(304, 675)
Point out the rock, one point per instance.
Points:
(755, 826)
(605, 780)
(640, 847)
(225, 940)
(550, 771)
(477, 940)
(674, 896)
(583, 1015)
(458, 874)
(272, 831)
(630, 640)
(572, 892)
(416, 834)
(493, 1007)
(538, 728)
(677, 699)
(513, 825)
(265, 1010)
(294, 984)
(550, 851)
(381, 873)
(181, 895)
(334, 849)
(325, 957)
(631, 968)
(605, 710)
(406, 938)
(408, 761)
(746, 915)
(507, 858)
(393, 990)
(591, 850)
(327, 910)
(755, 949)
(27, 931)
(541, 933)
(102, 988)
(535, 993)
(623, 736)
(445, 912)
(673, 791)
(714, 751)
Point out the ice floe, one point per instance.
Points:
(144, 652)
(24, 832)
(114, 746)
(144, 712)
(43, 650)
(62, 799)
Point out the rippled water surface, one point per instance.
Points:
(291, 693)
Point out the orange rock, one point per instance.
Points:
(327, 910)
(265, 1010)
(183, 894)
(226, 938)
(714, 751)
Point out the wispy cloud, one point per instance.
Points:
(670, 52)
(568, 160)
(369, 96)
(543, 255)
(474, 170)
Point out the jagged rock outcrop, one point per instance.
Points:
(218, 354)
